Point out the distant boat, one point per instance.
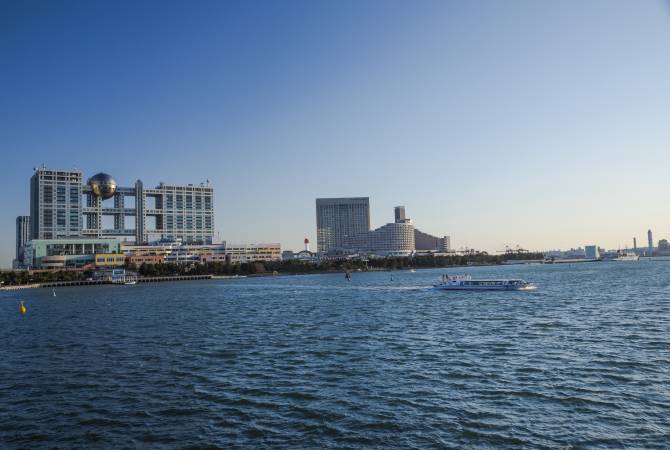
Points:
(626, 256)
(53, 291)
(130, 282)
(347, 276)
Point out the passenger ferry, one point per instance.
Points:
(466, 283)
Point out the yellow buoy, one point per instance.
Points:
(22, 308)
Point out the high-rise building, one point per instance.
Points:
(650, 243)
(167, 212)
(22, 238)
(55, 204)
(634, 243)
(399, 212)
(337, 218)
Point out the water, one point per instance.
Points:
(318, 362)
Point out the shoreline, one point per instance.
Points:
(176, 278)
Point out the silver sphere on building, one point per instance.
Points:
(102, 185)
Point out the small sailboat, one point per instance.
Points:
(53, 291)
(347, 276)
(22, 308)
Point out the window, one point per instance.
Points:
(74, 195)
(47, 194)
(60, 194)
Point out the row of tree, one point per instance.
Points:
(298, 267)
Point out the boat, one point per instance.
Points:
(626, 256)
(130, 282)
(467, 283)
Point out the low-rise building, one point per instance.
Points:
(110, 260)
(241, 253)
(67, 252)
(138, 260)
(177, 253)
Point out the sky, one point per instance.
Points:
(535, 123)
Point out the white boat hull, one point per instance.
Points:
(445, 287)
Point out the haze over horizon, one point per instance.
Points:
(535, 123)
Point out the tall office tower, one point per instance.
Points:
(399, 214)
(650, 243)
(337, 218)
(55, 203)
(634, 243)
(22, 236)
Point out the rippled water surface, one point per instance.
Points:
(315, 361)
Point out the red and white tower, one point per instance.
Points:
(306, 244)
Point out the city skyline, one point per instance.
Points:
(490, 135)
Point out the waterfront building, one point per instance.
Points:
(138, 260)
(109, 260)
(337, 218)
(242, 253)
(22, 238)
(591, 252)
(304, 255)
(650, 243)
(166, 212)
(130, 249)
(55, 204)
(177, 253)
(71, 252)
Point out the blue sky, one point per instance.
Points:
(537, 123)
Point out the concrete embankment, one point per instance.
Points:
(96, 282)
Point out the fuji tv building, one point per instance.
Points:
(63, 206)
(70, 217)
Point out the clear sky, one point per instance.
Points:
(539, 123)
